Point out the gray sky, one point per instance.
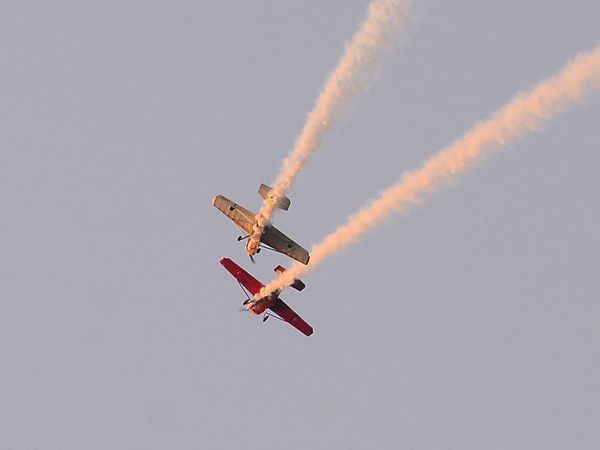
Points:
(471, 322)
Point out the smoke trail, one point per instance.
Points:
(356, 68)
(525, 112)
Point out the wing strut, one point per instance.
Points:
(268, 248)
(268, 314)
(246, 293)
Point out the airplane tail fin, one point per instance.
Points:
(297, 284)
(265, 192)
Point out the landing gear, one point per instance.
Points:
(241, 238)
(265, 318)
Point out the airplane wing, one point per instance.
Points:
(239, 215)
(286, 313)
(244, 278)
(283, 244)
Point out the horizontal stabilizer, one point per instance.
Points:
(265, 192)
(297, 284)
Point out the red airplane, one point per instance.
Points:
(273, 302)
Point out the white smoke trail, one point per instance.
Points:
(524, 113)
(356, 68)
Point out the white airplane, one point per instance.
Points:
(271, 237)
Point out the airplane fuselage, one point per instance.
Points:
(252, 247)
(260, 305)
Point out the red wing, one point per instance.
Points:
(286, 313)
(244, 278)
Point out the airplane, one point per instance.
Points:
(259, 306)
(271, 237)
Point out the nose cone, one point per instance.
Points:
(255, 309)
(251, 247)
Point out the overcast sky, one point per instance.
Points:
(470, 322)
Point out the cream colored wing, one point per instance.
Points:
(239, 215)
